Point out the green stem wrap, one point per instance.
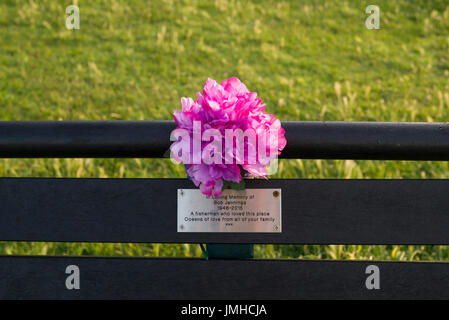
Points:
(228, 251)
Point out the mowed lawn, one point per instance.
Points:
(308, 60)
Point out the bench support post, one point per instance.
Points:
(230, 251)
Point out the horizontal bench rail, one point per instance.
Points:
(145, 210)
(151, 139)
(31, 277)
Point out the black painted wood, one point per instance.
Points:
(93, 139)
(28, 277)
(305, 139)
(144, 210)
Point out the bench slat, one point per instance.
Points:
(27, 277)
(151, 139)
(144, 210)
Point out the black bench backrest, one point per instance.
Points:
(144, 210)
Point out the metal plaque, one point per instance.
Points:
(250, 210)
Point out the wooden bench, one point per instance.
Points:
(145, 211)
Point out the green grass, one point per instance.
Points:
(308, 60)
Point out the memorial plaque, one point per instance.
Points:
(250, 210)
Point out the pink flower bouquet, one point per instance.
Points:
(225, 115)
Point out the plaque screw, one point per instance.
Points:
(275, 227)
(275, 194)
(181, 227)
(182, 192)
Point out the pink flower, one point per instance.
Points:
(222, 107)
